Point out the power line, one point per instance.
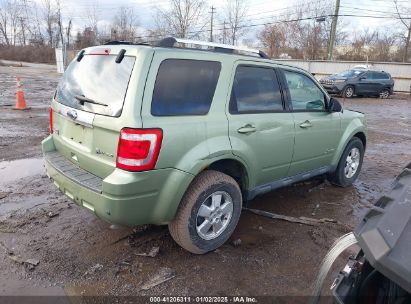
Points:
(283, 21)
(308, 10)
(368, 10)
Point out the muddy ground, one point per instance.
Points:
(78, 254)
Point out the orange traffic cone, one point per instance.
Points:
(20, 100)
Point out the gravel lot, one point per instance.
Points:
(79, 254)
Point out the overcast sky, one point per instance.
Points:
(259, 11)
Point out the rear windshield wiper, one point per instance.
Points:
(84, 99)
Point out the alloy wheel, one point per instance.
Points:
(349, 92)
(214, 215)
(352, 162)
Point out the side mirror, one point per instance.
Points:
(334, 105)
(362, 78)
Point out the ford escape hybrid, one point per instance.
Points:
(168, 134)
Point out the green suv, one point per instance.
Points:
(184, 133)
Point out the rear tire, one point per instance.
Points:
(384, 94)
(208, 212)
(350, 164)
(348, 92)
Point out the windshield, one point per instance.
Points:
(350, 73)
(96, 84)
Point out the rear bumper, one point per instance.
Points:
(124, 198)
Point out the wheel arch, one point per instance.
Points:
(349, 85)
(354, 129)
(234, 168)
(361, 135)
(387, 88)
(228, 164)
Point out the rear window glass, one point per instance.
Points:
(184, 87)
(98, 79)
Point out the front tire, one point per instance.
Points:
(350, 164)
(348, 92)
(208, 212)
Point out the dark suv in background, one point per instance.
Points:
(360, 82)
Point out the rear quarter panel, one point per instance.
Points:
(190, 143)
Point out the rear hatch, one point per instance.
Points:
(91, 105)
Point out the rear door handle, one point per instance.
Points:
(247, 129)
(306, 124)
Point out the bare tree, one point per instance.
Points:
(235, 15)
(68, 33)
(59, 21)
(37, 35)
(381, 49)
(371, 45)
(4, 20)
(93, 17)
(24, 21)
(14, 15)
(360, 46)
(402, 12)
(13, 21)
(49, 18)
(125, 24)
(185, 19)
(296, 35)
(274, 39)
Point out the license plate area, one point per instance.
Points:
(75, 134)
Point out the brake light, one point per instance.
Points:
(51, 120)
(138, 149)
(99, 51)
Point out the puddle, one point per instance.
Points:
(11, 171)
(10, 205)
(23, 288)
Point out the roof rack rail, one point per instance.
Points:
(121, 42)
(117, 42)
(218, 47)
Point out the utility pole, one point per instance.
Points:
(333, 30)
(213, 9)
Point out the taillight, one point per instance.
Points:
(138, 149)
(51, 120)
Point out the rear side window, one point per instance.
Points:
(255, 90)
(184, 87)
(380, 75)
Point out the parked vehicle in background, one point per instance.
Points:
(145, 134)
(360, 82)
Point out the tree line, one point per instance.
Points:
(301, 31)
